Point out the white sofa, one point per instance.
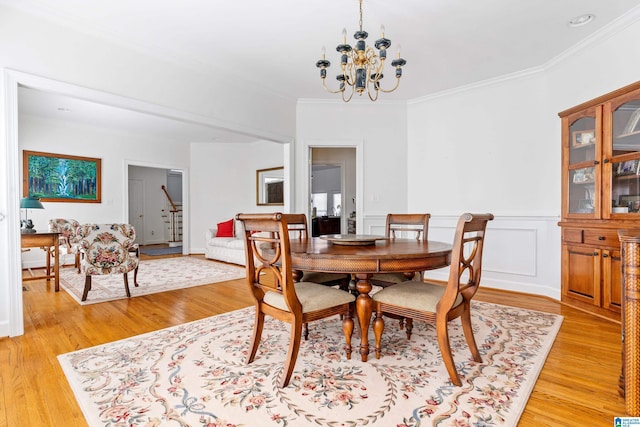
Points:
(226, 249)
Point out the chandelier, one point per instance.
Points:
(360, 67)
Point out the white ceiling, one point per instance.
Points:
(275, 44)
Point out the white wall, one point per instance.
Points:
(114, 149)
(501, 141)
(380, 128)
(223, 183)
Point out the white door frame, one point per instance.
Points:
(305, 185)
(137, 223)
(186, 244)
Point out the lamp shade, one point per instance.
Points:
(30, 203)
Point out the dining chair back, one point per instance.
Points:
(270, 281)
(108, 249)
(399, 225)
(438, 303)
(297, 225)
(403, 226)
(298, 229)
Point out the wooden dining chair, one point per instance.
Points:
(403, 226)
(437, 303)
(270, 280)
(299, 229)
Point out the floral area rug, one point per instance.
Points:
(153, 276)
(194, 375)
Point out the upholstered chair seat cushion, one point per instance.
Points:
(312, 296)
(414, 295)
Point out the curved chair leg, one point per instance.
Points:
(126, 285)
(347, 328)
(445, 350)
(378, 329)
(468, 334)
(292, 354)
(87, 287)
(257, 333)
(135, 277)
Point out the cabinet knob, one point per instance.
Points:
(595, 162)
(600, 237)
(605, 256)
(605, 161)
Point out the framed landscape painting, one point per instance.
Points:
(61, 178)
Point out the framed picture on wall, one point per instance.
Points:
(61, 177)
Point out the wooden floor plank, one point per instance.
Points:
(577, 386)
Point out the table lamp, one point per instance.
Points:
(27, 203)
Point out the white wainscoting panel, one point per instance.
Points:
(522, 253)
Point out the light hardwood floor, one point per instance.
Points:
(577, 386)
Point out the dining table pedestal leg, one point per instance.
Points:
(364, 309)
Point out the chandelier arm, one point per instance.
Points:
(349, 72)
(324, 84)
(394, 88)
(350, 95)
(372, 98)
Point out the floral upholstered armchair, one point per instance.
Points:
(68, 229)
(108, 249)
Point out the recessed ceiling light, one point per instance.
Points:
(581, 20)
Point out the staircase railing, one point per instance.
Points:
(174, 220)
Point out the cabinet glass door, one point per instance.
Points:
(625, 158)
(582, 166)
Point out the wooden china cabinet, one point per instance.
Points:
(600, 195)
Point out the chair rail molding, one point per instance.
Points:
(522, 253)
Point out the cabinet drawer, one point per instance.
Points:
(572, 235)
(602, 238)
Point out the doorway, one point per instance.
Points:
(155, 205)
(332, 190)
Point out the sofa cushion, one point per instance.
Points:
(235, 244)
(226, 229)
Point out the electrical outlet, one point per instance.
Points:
(153, 232)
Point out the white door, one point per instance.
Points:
(136, 208)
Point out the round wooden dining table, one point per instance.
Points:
(383, 255)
